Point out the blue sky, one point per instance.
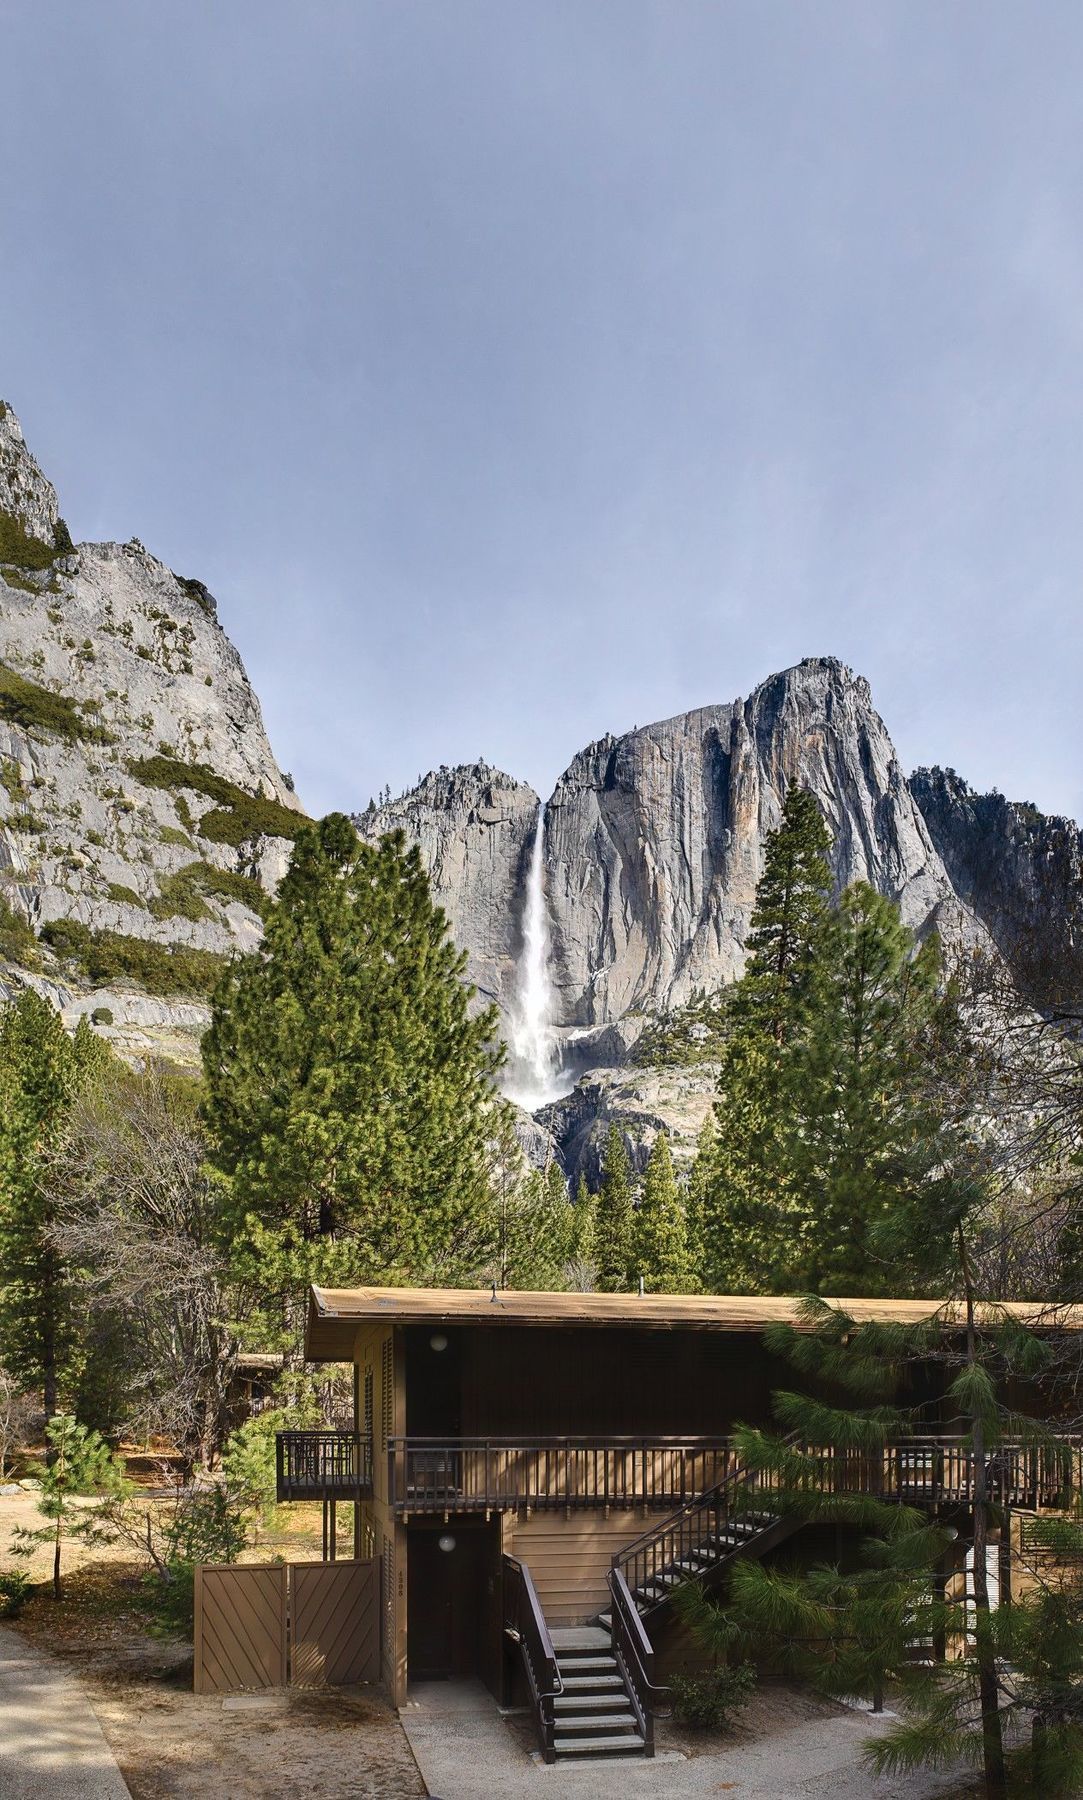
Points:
(516, 373)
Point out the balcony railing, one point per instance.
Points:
(470, 1474)
(323, 1465)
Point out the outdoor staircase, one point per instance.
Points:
(699, 1542)
(594, 1713)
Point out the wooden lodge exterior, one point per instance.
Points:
(533, 1471)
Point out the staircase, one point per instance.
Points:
(699, 1542)
(594, 1714)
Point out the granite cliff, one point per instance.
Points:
(143, 818)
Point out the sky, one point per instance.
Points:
(515, 373)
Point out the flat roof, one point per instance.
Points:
(335, 1314)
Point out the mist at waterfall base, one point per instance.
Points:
(533, 1075)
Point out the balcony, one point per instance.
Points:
(322, 1465)
(445, 1475)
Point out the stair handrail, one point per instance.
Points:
(714, 1501)
(634, 1656)
(524, 1623)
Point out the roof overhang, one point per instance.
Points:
(335, 1315)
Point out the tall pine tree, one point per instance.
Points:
(661, 1235)
(42, 1071)
(614, 1249)
(747, 1240)
(350, 1091)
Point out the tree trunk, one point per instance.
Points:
(996, 1784)
(56, 1563)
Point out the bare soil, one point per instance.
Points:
(339, 1742)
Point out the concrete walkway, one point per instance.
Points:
(466, 1752)
(51, 1745)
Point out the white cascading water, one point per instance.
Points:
(533, 1070)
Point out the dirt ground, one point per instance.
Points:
(340, 1742)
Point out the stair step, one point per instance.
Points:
(605, 1722)
(579, 1683)
(583, 1665)
(631, 1745)
(577, 1703)
(576, 1640)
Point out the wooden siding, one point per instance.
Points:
(569, 1559)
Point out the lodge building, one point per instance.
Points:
(534, 1475)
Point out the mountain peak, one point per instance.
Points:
(27, 498)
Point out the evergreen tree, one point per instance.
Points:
(350, 1092)
(615, 1220)
(661, 1236)
(750, 1228)
(79, 1463)
(585, 1224)
(870, 1136)
(42, 1071)
(697, 1189)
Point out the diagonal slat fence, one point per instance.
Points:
(259, 1626)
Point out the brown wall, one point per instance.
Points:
(569, 1558)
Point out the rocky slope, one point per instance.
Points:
(143, 818)
(1019, 871)
(475, 827)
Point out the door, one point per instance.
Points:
(450, 1595)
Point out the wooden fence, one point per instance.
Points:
(312, 1624)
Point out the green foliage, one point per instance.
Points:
(35, 708)
(614, 1222)
(349, 1089)
(80, 1463)
(26, 552)
(18, 944)
(183, 894)
(42, 1071)
(238, 815)
(102, 1015)
(534, 1230)
(15, 1586)
(711, 1701)
(169, 834)
(124, 896)
(103, 956)
(660, 1236)
(685, 1035)
(834, 1147)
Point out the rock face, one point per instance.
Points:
(474, 826)
(655, 840)
(1020, 873)
(115, 681)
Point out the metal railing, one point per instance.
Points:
(322, 1465)
(634, 1655)
(524, 1624)
(467, 1474)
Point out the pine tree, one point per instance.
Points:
(697, 1189)
(870, 1136)
(350, 1092)
(661, 1236)
(79, 1463)
(615, 1219)
(750, 1235)
(42, 1071)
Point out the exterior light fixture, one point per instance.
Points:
(447, 1543)
(438, 1341)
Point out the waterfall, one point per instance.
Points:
(533, 1071)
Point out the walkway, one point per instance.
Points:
(51, 1745)
(466, 1752)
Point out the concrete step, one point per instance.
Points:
(578, 1684)
(585, 1665)
(630, 1745)
(607, 1723)
(583, 1703)
(572, 1640)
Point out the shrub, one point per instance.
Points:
(237, 816)
(182, 894)
(17, 941)
(102, 1015)
(711, 1701)
(15, 1585)
(107, 956)
(124, 896)
(17, 547)
(31, 707)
